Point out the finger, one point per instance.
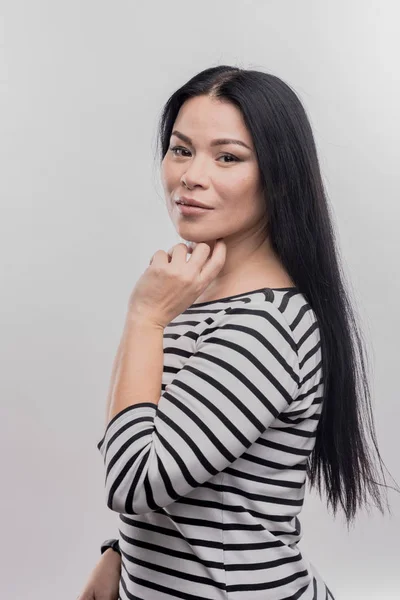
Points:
(200, 254)
(159, 258)
(215, 263)
(178, 251)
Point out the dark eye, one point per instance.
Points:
(234, 159)
(174, 148)
(177, 148)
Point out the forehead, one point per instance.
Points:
(203, 119)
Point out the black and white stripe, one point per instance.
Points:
(210, 481)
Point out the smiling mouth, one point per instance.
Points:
(194, 205)
(187, 210)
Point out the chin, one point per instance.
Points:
(196, 238)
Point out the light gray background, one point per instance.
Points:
(82, 86)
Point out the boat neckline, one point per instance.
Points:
(263, 289)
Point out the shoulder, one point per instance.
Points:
(259, 326)
(252, 340)
(262, 314)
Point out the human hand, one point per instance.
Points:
(103, 583)
(168, 287)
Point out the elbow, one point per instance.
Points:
(120, 503)
(125, 491)
(131, 490)
(117, 503)
(130, 500)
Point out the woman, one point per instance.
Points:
(259, 369)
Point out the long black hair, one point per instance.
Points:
(302, 235)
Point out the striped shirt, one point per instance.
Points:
(209, 482)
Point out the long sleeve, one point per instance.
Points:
(243, 374)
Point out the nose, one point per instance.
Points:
(195, 173)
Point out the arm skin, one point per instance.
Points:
(114, 372)
(136, 375)
(138, 366)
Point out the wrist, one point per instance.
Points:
(112, 544)
(137, 321)
(111, 555)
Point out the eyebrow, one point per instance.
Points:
(217, 142)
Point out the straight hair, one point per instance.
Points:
(302, 235)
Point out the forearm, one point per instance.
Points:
(138, 368)
(112, 382)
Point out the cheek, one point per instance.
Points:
(169, 176)
(239, 191)
(242, 206)
(239, 182)
(164, 173)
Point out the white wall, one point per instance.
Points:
(82, 83)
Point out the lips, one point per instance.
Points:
(193, 206)
(185, 209)
(191, 202)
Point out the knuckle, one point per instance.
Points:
(185, 278)
(181, 276)
(158, 270)
(188, 278)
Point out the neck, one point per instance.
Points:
(247, 266)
